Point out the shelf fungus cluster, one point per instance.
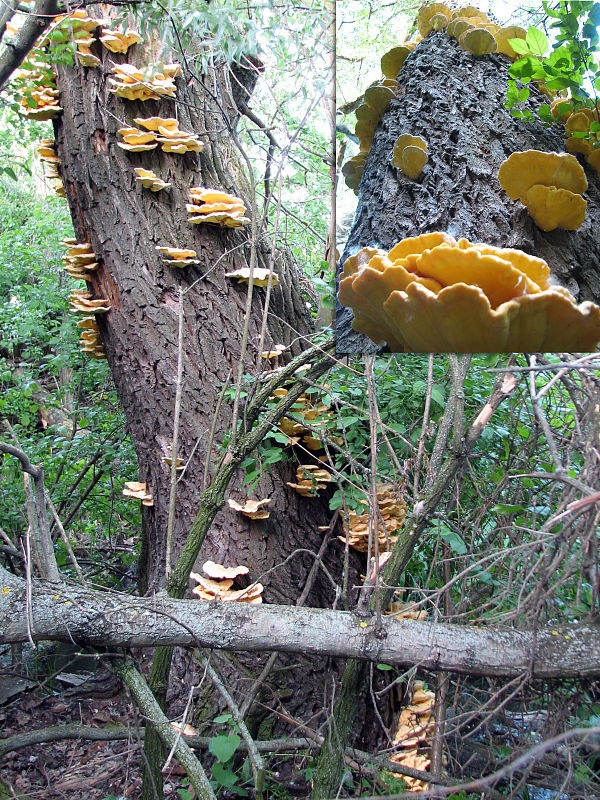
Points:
(432, 294)
(119, 41)
(149, 180)
(177, 256)
(388, 520)
(90, 342)
(77, 27)
(36, 86)
(79, 260)
(260, 276)
(49, 157)
(216, 207)
(476, 33)
(218, 585)
(138, 491)
(375, 101)
(409, 155)
(314, 414)
(310, 480)
(159, 131)
(253, 509)
(414, 731)
(582, 135)
(150, 83)
(549, 185)
(81, 302)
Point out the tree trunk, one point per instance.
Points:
(124, 225)
(455, 101)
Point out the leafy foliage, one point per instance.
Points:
(45, 378)
(571, 68)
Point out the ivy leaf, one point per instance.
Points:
(223, 746)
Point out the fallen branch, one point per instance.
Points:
(72, 613)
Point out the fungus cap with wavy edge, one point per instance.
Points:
(435, 301)
(552, 208)
(524, 169)
(460, 320)
(425, 16)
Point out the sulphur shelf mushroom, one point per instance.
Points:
(549, 185)
(253, 509)
(178, 257)
(138, 490)
(390, 518)
(432, 294)
(119, 42)
(260, 276)
(216, 207)
(81, 302)
(409, 155)
(149, 180)
(218, 585)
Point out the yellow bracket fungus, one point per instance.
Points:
(81, 302)
(434, 294)
(478, 41)
(260, 277)
(138, 491)
(118, 42)
(409, 155)
(149, 180)
(392, 61)
(530, 175)
(216, 207)
(427, 15)
(253, 509)
(177, 257)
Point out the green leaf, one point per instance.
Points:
(224, 746)
(225, 777)
(384, 667)
(223, 718)
(453, 540)
(519, 46)
(537, 41)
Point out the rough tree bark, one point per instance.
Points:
(455, 101)
(124, 225)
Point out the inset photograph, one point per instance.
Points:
(469, 202)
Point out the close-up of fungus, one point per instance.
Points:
(177, 256)
(549, 185)
(216, 207)
(409, 155)
(81, 302)
(118, 42)
(149, 180)
(133, 83)
(253, 509)
(138, 491)
(260, 276)
(390, 518)
(431, 294)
